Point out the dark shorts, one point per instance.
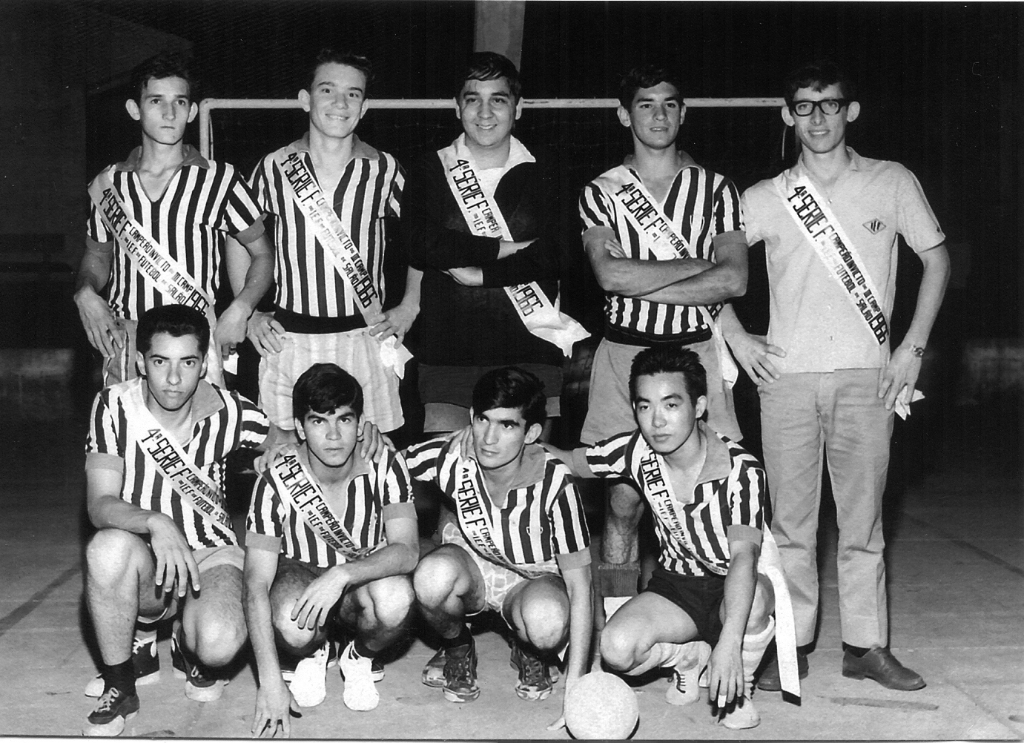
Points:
(700, 597)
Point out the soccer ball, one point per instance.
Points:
(601, 705)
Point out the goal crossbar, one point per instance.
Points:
(208, 105)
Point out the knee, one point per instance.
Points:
(288, 631)
(617, 649)
(761, 608)
(434, 579)
(545, 620)
(392, 600)
(218, 642)
(111, 554)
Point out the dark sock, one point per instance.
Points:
(463, 638)
(359, 649)
(855, 651)
(120, 675)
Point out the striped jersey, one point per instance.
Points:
(701, 205)
(223, 421)
(203, 201)
(363, 513)
(542, 517)
(369, 191)
(728, 499)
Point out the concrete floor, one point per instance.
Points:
(956, 572)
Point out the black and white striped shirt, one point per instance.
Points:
(203, 201)
(727, 502)
(369, 503)
(542, 517)
(370, 190)
(701, 205)
(223, 421)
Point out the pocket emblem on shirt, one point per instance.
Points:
(874, 226)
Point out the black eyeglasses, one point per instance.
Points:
(828, 106)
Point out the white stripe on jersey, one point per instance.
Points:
(700, 204)
(237, 423)
(188, 220)
(366, 497)
(307, 283)
(536, 523)
(717, 504)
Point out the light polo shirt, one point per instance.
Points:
(370, 502)
(812, 317)
(727, 501)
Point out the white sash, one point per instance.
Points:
(658, 491)
(542, 318)
(835, 249)
(197, 491)
(662, 239)
(339, 248)
(294, 482)
(150, 259)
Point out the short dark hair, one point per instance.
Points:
(491, 66)
(161, 66)
(349, 59)
(176, 320)
(511, 387)
(670, 358)
(817, 76)
(646, 76)
(323, 388)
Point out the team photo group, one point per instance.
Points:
(333, 567)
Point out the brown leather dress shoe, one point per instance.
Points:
(878, 664)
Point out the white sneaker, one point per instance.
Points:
(742, 716)
(684, 687)
(360, 693)
(309, 682)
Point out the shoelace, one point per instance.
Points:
(459, 668)
(109, 699)
(137, 645)
(533, 669)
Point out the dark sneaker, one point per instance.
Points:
(146, 663)
(534, 682)
(460, 673)
(770, 680)
(878, 664)
(110, 715)
(433, 672)
(200, 686)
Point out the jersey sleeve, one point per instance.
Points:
(260, 185)
(915, 219)
(265, 515)
(254, 424)
(609, 458)
(595, 208)
(424, 460)
(751, 225)
(240, 210)
(397, 486)
(107, 436)
(393, 207)
(746, 495)
(568, 518)
(728, 212)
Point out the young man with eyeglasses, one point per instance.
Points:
(826, 376)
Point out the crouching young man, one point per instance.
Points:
(518, 543)
(706, 494)
(154, 482)
(332, 538)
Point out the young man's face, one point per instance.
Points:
(337, 100)
(173, 366)
(664, 411)
(655, 115)
(163, 109)
(500, 435)
(820, 132)
(487, 111)
(331, 438)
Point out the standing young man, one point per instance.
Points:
(332, 537)
(665, 238)
(478, 221)
(518, 543)
(156, 224)
(154, 481)
(328, 195)
(706, 494)
(827, 380)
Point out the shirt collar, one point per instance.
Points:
(517, 152)
(359, 147)
(205, 402)
(687, 162)
(856, 162)
(717, 461)
(191, 157)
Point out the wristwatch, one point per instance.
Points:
(917, 350)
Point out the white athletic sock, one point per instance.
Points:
(744, 715)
